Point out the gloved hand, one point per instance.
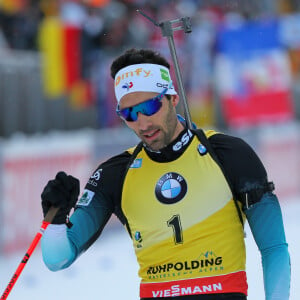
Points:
(61, 192)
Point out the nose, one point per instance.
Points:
(143, 121)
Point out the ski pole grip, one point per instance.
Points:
(51, 214)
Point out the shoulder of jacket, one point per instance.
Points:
(131, 150)
(210, 132)
(137, 148)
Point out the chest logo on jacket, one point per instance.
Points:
(170, 188)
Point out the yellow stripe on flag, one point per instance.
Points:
(53, 66)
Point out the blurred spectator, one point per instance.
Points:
(3, 41)
(20, 27)
(105, 27)
(92, 29)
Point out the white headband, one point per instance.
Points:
(142, 78)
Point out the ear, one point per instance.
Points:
(175, 100)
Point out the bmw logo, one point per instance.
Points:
(170, 188)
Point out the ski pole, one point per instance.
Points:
(167, 29)
(47, 220)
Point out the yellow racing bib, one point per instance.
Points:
(184, 225)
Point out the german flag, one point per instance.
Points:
(60, 46)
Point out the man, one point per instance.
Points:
(183, 196)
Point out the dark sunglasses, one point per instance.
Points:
(147, 108)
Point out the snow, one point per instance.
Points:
(108, 270)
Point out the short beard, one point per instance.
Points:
(171, 123)
(168, 136)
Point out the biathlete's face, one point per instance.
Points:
(158, 129)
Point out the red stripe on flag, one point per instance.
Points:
(72, 54)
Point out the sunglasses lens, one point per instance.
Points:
(127, 114)
(124, 113)
(150, 107)
(147, 108)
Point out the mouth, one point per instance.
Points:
(150, 136)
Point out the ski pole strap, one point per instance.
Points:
(51, 214)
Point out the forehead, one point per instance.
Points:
(136, 98)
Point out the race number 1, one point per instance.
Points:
(175, 223)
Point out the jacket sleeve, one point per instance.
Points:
(266, 224)
(62, 245)
(248, 179)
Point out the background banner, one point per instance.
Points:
(253, 74)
